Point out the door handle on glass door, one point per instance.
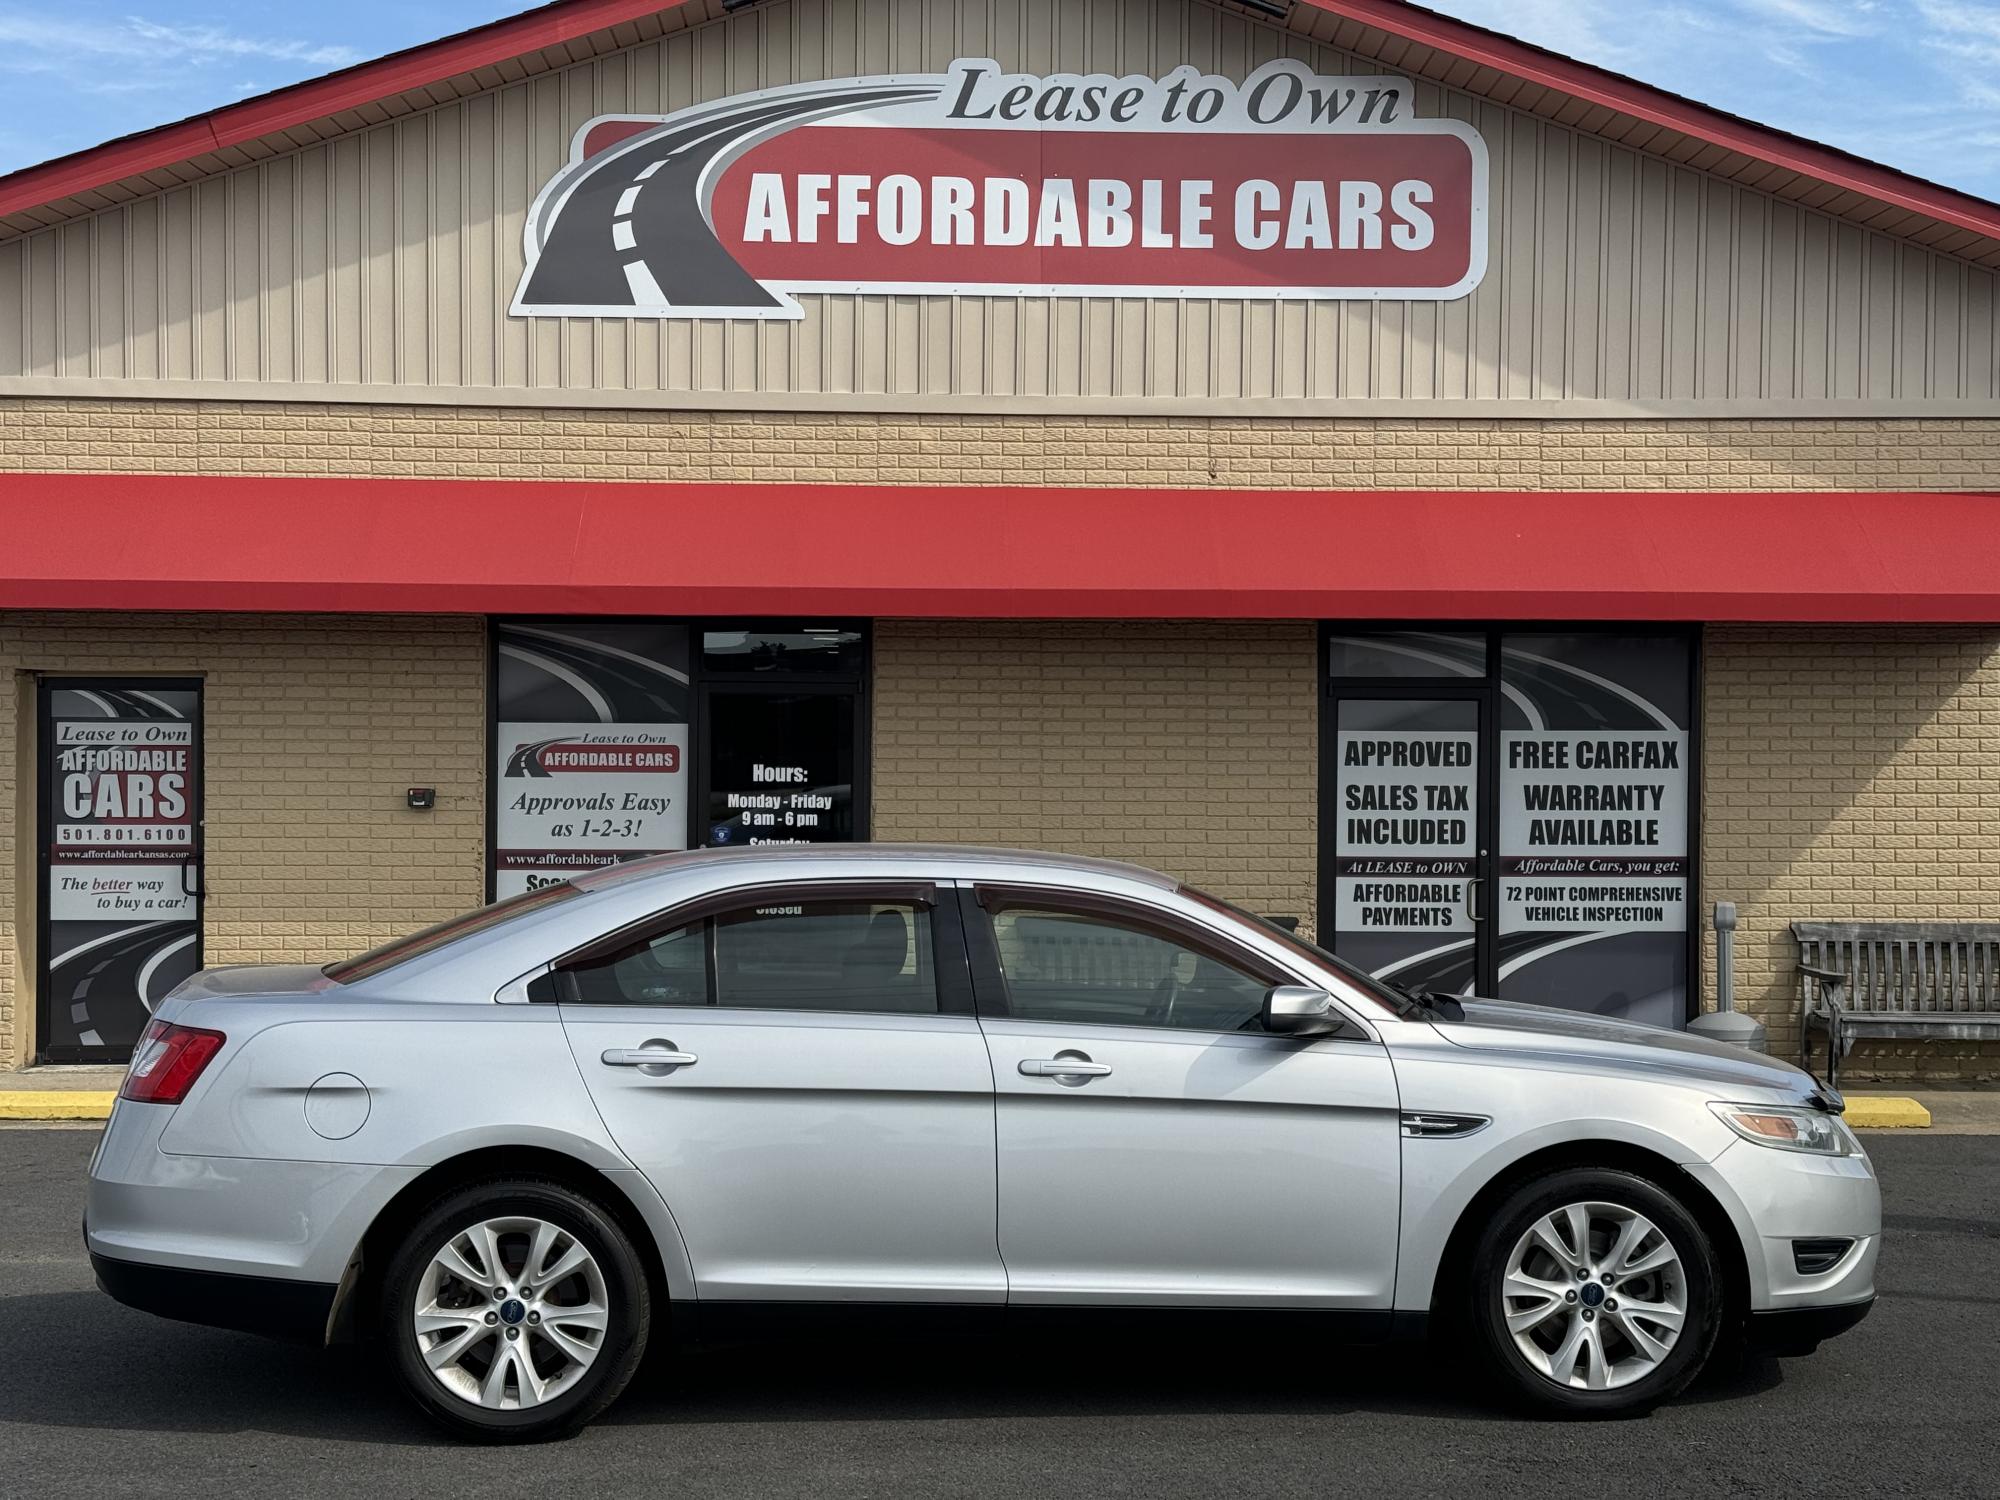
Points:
(1069, 1065)
(661, 1055)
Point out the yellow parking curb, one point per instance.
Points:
(1885, 1112)
(54, 1104)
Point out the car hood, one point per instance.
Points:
(1510, 1027)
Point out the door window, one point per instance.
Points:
(1087, 968)
(856, 955)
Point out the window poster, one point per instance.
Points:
(1406, 838)
(121, 804)
(1593, 827)
(591, 746)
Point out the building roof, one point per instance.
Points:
(1404, 37)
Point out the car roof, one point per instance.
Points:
(868, 857)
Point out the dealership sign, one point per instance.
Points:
(1291, 185)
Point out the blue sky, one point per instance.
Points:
(1915, 83)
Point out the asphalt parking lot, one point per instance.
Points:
(99, 1400)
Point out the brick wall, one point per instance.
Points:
(1849, 772)
(187, 437)
(1187, 746)
(315, 727)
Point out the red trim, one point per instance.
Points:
(31, 187)
(123, 542)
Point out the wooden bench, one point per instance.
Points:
(1934, 980)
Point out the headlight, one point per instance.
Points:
(1787, 1127)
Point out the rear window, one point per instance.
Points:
(417, 944)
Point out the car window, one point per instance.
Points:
(670, 968)
(827, 955)
(1088, 968)
(835, 955)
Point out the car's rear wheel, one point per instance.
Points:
(515, 1310)
(1595, 1293)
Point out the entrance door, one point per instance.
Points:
(120, 858)
(1510, 812)
(779, 766)
(1409, 839)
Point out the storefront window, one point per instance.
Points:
(1405, 653)
(614, 739)
(1509, 813)
(1594, 822)
(590, 751)
(802, 648)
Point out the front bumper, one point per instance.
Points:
(295, 1310)
(1798, 1330)
(1776, 1198)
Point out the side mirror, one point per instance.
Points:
(1300, 1010)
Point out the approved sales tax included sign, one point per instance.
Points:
(1290, 185)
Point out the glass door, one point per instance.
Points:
(1409, 842)
(779, 765)
(120, 859)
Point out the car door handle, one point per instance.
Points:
(648, 1057)
(1063, 1067)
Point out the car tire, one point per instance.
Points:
(498, 1357)
(1585, 1352)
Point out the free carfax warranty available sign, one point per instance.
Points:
(1290, 185)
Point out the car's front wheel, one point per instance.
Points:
(515, 1310)
(1596, 1293)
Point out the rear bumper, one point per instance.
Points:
(294, 1310)
(1798, 1330)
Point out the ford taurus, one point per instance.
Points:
(513, 1148)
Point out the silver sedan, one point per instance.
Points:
(511, 1147)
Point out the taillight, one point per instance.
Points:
(168, 1060)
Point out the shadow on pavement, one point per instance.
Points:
(97, 1365)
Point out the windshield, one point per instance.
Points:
(1375, 989)
(403, 949)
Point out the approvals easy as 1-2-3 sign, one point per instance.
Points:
(1289, 185)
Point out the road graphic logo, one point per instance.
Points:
(1289, 186)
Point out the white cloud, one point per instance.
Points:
(1827, 18)
(213, 41)
(31, 43)
(1914, 83)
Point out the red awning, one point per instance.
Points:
(449, 546)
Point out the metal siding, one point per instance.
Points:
(384, 259)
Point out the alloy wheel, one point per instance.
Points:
(510, 1313)
(1594, 1296)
